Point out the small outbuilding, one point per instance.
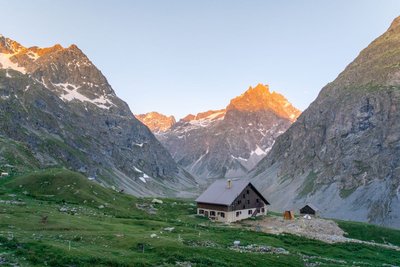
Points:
(288, 215)
(309, 209)
(4, 174)
(230, 201)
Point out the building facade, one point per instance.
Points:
(230, 201)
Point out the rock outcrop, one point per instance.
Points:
(343, 152)
(231, 141)
(156, 122)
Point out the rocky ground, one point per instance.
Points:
(316, 228)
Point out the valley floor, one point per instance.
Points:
(58, 218)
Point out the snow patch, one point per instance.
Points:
(204, 122)
(143, 177)
(32, 55)
(239, 158)
(215, 115)
(6, 63)
(199, 159)
(261, 132)
(138, 144)
(72, 93)
(258, 151)
(41, 82)
(137, 170)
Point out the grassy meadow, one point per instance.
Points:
(59, 218)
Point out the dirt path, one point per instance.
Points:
(315, 228)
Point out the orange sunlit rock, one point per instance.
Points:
(260, 98)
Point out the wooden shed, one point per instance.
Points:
(309, 209)
(288, 215)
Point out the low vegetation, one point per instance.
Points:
(15, 157)
(308, 185)
(59, 218)
(371, 233)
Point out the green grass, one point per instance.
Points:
(344, 193)
(61, 185)
(369, 232)
(113, 235)
(53, 144)
(308, 184)
(15, 157)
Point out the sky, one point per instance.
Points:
(184, 56)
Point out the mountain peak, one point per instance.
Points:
(229, 142)
(395, 24)
(258, 91)
(74, 47)
(15, 56)
(260, 88)
(9, 46)
(260, 98)
(156, 122)
(372, 67)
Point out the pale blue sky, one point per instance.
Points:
(180, 57)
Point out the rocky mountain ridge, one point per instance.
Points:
(62, 107)
(229, 142)
(156, 122)
(260, 98)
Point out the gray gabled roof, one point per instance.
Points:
(311, 206)
(219, 193)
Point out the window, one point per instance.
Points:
(257, 200)
(212, 213)
(201, 211)
(222, 214)
(262, 210)
(250, 212)
(239, 201)
(248, 201)
(248, 192)
(244, 206)
(237, 214)
(244, 195)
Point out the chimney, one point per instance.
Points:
(229, 183)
